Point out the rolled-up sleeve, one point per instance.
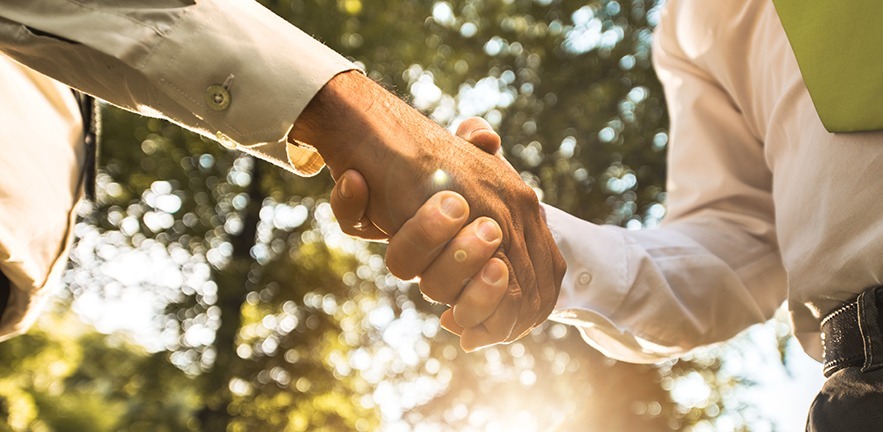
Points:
(229, 70)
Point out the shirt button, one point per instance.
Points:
(585, 278)
(217, 97)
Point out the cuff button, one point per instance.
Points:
(217, 97)
(585, 278)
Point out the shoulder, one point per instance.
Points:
(699, 26)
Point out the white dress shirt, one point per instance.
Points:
(764, 205)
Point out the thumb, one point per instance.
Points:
(479, 133)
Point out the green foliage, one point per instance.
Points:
(63, 376)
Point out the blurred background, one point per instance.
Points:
(210, 291)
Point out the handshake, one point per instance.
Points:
(454, 212)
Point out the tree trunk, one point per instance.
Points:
(233, 287)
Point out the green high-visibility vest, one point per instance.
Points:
(839, 48)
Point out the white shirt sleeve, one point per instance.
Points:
(230, 70)
(713, 268)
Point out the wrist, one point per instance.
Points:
(334, 118)
(354, 123)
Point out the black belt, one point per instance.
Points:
(91, 113)
(5, 291)
(851, 334)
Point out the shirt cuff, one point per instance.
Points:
(595, 286)
(596, 262)
(245, 74)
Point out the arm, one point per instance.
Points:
(713, 268)
(215, 67)
(40, 117)
(638, 296)
(404, 158)
(169, 59)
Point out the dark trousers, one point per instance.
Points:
(852, 398)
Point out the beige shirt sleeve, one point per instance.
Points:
(713, 268)
(40, 177)
(230, 70)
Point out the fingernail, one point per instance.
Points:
(344, 189)
(488, 231)
(452, 207)
(492, 274)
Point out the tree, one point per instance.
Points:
(273, 320)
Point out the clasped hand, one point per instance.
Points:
(403, 158)
(454, 259)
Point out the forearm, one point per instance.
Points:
(642, 296)
(351, 113)
(161, 60)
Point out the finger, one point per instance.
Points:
(531, 266)
(487, 333)
(480, 134)
(422, 238)
(540, 282)
(462, 258)
(482, 294)
(549, 282)
(498, 328)
(349, 199)
(448, 322)
(476, 338)
(550, 268)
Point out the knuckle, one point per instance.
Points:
(410, 250)
(342, 213)
(465, 316)
(399, 263)
(425, 233)
(513, 292)
(400, 269)
(499, 329)
(483, 296)
(484, 301)
(442, 292)
(525, 193)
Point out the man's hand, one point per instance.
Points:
(349, 198)
(465, 257)
(471, 247)
(405, 158)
